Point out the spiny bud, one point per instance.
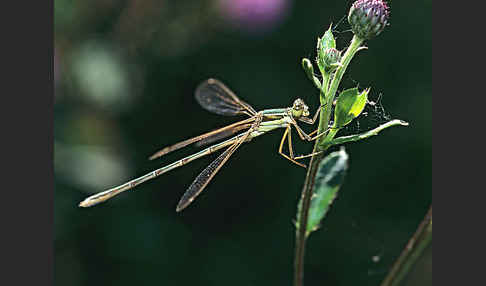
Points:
(331, 59)
(368, 18)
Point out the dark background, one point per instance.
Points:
(125, 74)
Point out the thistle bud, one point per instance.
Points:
(330, 59)
(309, 71)
(368, 18)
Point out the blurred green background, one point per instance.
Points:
(125, 74)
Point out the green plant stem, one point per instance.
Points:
(416, 245)
(316, 159)
(329, 137)
(301, 230)
(331, 93)
(324, 88)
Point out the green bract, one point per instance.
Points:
(350, 104)
(331, 60)
(323, 45)
(327, 41)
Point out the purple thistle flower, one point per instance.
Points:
(368, 18)
(253, 15)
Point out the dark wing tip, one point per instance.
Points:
(206, 82)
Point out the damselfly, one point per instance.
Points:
(215, 97)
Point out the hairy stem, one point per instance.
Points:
(327, 97)
(324, 88)
(338, 75)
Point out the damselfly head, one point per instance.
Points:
(299, 108)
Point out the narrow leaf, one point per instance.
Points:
(329, 177)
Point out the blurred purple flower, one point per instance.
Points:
(253, 15)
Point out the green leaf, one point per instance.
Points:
(329, 177)
(349, 105)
